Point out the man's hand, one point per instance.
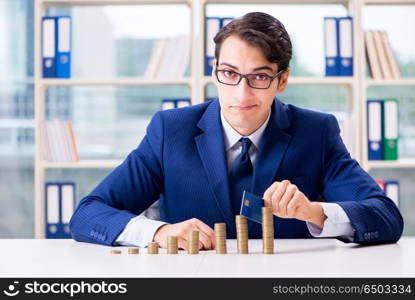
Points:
(181, 230)
(287, 201)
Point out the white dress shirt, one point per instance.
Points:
(141, 229)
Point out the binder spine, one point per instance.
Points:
(346, 46)
(63, 47)
(49, 47)
(374, 126)
(331, 46)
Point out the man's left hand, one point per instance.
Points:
(287, 201)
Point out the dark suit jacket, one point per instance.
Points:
(182, 159)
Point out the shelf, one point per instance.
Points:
(390, 82)
(17, 123)
(82, 164)
(389, 2)
(110, 2)
(401, 163)
(277, 2)
(309, 80)
(115, 81)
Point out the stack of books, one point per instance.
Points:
(59, 144)
(381, 60)
(170, 58)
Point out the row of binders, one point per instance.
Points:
(171, 103)
(56, 46)
(391, 188)
(59, 207)
(59, 143)
(212, 26)
(381, 60)
(338, 46)
(170, 58)
(382, 129)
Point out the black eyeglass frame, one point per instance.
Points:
(273, 77)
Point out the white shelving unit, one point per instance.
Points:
(356, 85)
(42, 84)
(368, 82)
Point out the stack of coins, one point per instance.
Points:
(172, 245)
(193, 242)
(242, 234)
(220, 234)
(267, 231)
(133, 251)
(115, 251)
(153, 248)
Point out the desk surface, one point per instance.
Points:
(292, 258)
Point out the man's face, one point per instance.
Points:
(246, 108)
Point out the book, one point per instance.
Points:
(58, 141)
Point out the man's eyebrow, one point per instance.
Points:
(263, 68)
(229, 65)
(256, 69)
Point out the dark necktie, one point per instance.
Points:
(240, 178)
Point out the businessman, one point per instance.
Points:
(197, 160)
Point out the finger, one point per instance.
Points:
(182, 243)
(286, 198)
(205, 240)
(276, 196)
(294, 204)
(209, 232)
(268, 193)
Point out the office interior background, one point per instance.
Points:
(116, 41)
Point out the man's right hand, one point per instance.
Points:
(182, 229)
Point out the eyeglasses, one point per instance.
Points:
(256, 81)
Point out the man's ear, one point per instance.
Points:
(283, 81)
(213, 68)
(213, 76)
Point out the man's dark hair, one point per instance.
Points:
(260, 30)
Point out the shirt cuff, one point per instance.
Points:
(139, 231)
(337, 223)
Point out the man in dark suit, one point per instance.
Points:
(199, 159)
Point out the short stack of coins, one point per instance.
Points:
(267, 231)
(193, 242)
(153, 248)
(133, 251)
(242, 234)
(172, 245)
(220, 238)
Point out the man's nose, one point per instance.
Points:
(243, 90)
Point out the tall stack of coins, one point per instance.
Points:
(193, 242)
(172, 245)
(153, 248)
(242, 234)
(220, 235)
(267, 231)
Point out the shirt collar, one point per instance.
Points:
(232, 136)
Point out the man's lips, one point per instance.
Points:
(243, 108)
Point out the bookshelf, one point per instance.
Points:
(197, 82)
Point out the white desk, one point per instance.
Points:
(292, 258)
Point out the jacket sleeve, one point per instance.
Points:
(126, 192)
(374, 216)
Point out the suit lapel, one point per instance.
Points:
(211, 148)
(272, 148)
